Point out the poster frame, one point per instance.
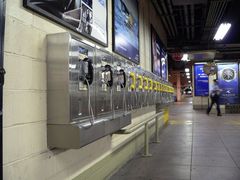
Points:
(195, 81)
(113, 35)
(28, 5)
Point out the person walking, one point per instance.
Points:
(215, 96)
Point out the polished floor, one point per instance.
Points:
(193, 146)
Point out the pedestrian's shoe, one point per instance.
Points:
(220, 114)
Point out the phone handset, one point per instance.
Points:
(88, 71)
(150, 84)
(158, 86)
(145, 83)
(155, 86)
(85, 73)
(133, 82)
(123, 78)
(140, 85)
(108, 75)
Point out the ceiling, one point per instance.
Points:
(192, 24)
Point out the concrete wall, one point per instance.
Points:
(25, 151)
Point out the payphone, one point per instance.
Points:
(80, 81)
(104, 84)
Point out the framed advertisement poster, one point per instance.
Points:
(159, 56)
(164, 67)
(228, 82)
(87, 17)
(201, 80)
(126, 29)
(156, 53)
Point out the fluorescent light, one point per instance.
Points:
(188, 77)
(187, 70)
(185, 57)
(189, 81)
(222, 31)
(188, 74)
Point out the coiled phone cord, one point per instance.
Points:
(90, 110)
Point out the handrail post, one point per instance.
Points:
(156, 130)
(146, 141)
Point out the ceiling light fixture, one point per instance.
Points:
(222, 31)
(188, 77)
(185, 57)
(187, 70)
(188, 74)
(189, 81)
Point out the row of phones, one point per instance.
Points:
(136, 81)
(107, 74)
(145, 83)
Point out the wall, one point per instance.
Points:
(25, 151)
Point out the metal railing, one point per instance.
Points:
(146, 131)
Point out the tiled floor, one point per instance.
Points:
(193, 146)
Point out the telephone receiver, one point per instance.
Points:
(122, 73)
(109, 68)
(133, 83)
(140, 86)
(87, 71)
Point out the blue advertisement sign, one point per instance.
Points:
(126, 29)
(201, 81)
(164, 65)
(156, 53)
(228, 82)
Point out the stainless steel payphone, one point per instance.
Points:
(80, 93)
(104, 84)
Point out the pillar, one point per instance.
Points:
(178, 87)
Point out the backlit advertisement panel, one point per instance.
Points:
(126, 29)
(87, 17)
(156, 54)
(164, 68)
(201, 85)
(228, 82)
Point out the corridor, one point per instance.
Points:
(193, 146)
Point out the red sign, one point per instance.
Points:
(177, 56)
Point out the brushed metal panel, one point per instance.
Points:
(80, 91)
(119, 91)
(104, 86)
(67, 103)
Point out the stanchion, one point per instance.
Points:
(156, 131)
(146, 142)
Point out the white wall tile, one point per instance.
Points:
(15, 9)
(21, 107)
(24, 39)
(46, 25)
(38, 167)
(24, 140)
(24, 73)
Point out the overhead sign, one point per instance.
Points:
(200, 81)
(228, 82)
(177, 56)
